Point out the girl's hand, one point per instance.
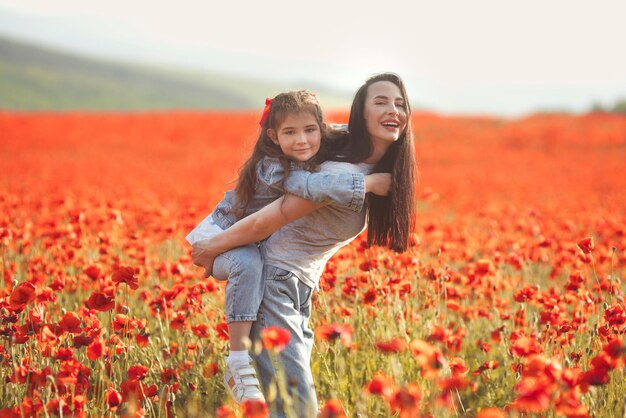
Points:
(378, 183)
(202, 257)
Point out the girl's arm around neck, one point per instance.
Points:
(253, 228)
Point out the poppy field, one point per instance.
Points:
(509, 303)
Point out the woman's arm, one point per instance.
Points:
(253, 228)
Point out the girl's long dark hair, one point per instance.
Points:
(390, 218)
(280, 106)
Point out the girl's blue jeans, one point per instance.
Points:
(243, 268)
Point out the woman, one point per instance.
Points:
(304, 234)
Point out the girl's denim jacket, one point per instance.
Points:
(345, 189)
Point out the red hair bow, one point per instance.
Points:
(266, 111)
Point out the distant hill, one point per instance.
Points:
(39, 78)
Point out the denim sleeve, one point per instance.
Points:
(345, 189)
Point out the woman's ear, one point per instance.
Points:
(272, 134)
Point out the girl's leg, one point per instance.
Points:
(244, 291)
(239, 335)
(243, 267)
(287, 304)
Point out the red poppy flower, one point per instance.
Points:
(484, 266)
(525, 346)
(125, 274)
(586, 245)
(594, 377)
(489, 365)
(225, 412)
(428, 357)
(615, 315)
(64, 354)
(201, 330)
(94, 350)
(369, 298)
(406, 401)
(568, 404)
(113, 398)
(179, 320)
(93, 272)
(525, 294)
(454, 382)
(332, 409)
(70, 323)
(22, 295)
(137, 390)
(381, 384)
(394, 345)
(6, 236)
(458, 366)
(210, 369)
(48, 335)
(331, 332)
(142, 338)
(542, 367)
(368, 265)
(491, 413)
(100, 301)
(255, 409)
(137, 372)
(81, 341)
(275, 338)
(222, 331)
(169, 374)
(615, 348)
(534, 395)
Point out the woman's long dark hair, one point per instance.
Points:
(280, 107)
(390, 217)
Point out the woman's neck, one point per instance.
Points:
(378, 150)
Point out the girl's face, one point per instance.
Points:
(298, 136)
(385, 112)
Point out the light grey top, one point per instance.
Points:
(304, 246)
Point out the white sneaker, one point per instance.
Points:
(241, 382)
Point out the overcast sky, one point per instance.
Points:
(481, 56)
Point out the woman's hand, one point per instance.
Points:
(378, 183)
(202, 256)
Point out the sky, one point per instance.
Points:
(459, 57)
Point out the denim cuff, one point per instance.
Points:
(358, 194)
(240, 318)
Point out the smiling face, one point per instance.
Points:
(385, 112)
(299, 136)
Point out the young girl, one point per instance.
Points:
(286, 152)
